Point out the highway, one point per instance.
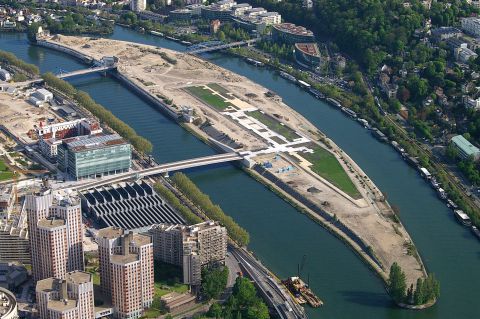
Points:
(277, 297)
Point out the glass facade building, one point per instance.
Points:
(94, 156)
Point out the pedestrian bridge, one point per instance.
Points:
(199, 48)
(102, 68)
(159, 169)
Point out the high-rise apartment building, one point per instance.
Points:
(70, 297)
(126, 270)
(190, 247)
(55, 232)
(138, 5)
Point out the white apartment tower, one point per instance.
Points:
(55, 232)
(70, 297)
(138, 5)
(126, 270)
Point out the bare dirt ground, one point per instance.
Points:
(369, 217)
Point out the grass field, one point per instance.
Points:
(5, 172)
(206, 96)
(327, 166)
(274, 125)
(220, 89)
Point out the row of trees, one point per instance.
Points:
(425, 291)
(141, 144)
(214, 281)
(11, 59)
(214, 212)
(170, 197)
(242, 304)
(227, 31)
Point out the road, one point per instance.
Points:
(276, 295)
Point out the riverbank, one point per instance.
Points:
(301, 123)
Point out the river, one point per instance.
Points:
(280, 236)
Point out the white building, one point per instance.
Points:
(138, 5)
(5, 75)
(471, 103)
(471, 26)
(240, 9)
(270, 18)
(43, 95)
(464, 55)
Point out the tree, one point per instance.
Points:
(397, 283)
(221, 35)
(215, 311)
(214, 282)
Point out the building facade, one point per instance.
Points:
(94, 156)
(190, 247)
(70, 297)
(55, 233)
(126, 270)
(138, 5)
(307, 54)
(466, 150)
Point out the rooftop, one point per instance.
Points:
(293, 29)
(465, 145)
(90, 142)
(50, 223)
(111, 232)
(63, 305)
(308, 48)
(124, 259)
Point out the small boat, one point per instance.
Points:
(462, 217)
(316, 93)
(476, 231)
(349, 112)
(160, 34)
(254, 62)
(334, 102)
(441, 193)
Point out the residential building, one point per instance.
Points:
(308, 4)
(180, 15)
(55, 232)
(471, 103)
(471, 26)
(94, 156)
(307, 55)
(126, 270)
(290, 33)
(444, 33)
(215, 26)
(464, 55)
(465, 149)
(190, 247)
(220, 10)
(70, 297)
(240, 9)
(138, 5)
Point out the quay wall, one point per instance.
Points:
(84, 58)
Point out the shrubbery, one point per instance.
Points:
(170, 197)
(9, 58)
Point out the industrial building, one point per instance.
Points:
(190, 247)
(94, 156)
(291, 33)
(466, 150)
(307, 54)
(126, 271)
(129, 206)
(69, 297)
(55, 232)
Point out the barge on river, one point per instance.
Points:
(302, 293)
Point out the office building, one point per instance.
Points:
(94, 156)
(70, 297)
(291, 33)
(190, 247)
(126, 270)
(471, 26)
(465, 149)
(138, 5)
(55, 232)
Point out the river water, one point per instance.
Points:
(280, 236)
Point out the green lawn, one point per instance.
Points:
(220, 89)
(274, 125)
(5, 172)
(206, 96)
(327, 166)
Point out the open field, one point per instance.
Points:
(274, 125)
(5, 172)
(327, 166)
(208, 97)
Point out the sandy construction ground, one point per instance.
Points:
(369, 217)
